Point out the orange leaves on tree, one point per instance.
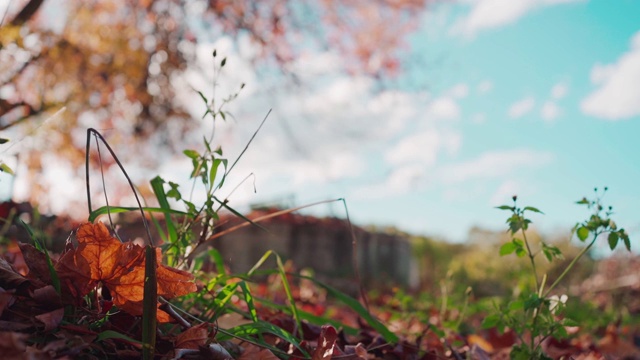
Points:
(102, 259)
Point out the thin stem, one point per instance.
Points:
(531, 258)
(571, 264)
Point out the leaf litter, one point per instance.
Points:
(101, 274)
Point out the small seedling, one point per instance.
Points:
(536, 314)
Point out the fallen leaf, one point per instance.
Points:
(255, 352)
(102, 259)
(47, 297)
(6, 299)
(9, 278)
(611, 344)
(36, 262)
(194, 337)
(479, 341)
(12, 345)
(326, 343)
(52, 319)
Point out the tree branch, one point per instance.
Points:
(27, 12)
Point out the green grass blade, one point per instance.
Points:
(356, 306)
(248, 298)
(259, 263)
(225, 294)
(313, 319)
(55, 280)
(120, 209)
(285, 283)
(110, 334)
(217, 258)
(236, 213)
(287, 290)
(258, 328)
(158, 189)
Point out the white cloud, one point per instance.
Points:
(505, 192)
(559, 90)
(423, 147)
(550, 111)
(487, 14)
(521, 107)
(325, 134)
(443, 108)
(460, 91)
(495, 164)
(485, 86)
(618, 91)
(409, 177)
(479, 118)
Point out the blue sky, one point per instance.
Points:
(539, 98)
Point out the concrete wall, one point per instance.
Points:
(324, 245)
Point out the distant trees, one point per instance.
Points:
(115, 60)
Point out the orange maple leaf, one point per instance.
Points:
(102, 259)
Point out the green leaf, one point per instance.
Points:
(583, 233)
(505, 207)
(223, 62)
(584, 201)
(440, 333)
(191, 154)
(203, 97)
(507, 248)
(5, 168)
(569, 322)
(613, 240)
(533, 302)
(531, 208)
(491, 321)
(213, 172)
(625, 238)
(516, 305)
(521, 252)
(217, 258)
(3, 141)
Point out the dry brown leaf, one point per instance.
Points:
(101, 258)
(12, 345)
(36, 261)
(194, 337)
(6, 299)
(326, 343)
(9, 278)
(52, 319)
(255, 352)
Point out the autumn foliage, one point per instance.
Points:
(115, 64)
(102, 260)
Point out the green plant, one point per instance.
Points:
(535, 314)
(185, 233)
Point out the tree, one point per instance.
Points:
(115, 60)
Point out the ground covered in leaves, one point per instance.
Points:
(87, 302)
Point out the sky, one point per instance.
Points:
(539, 98)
